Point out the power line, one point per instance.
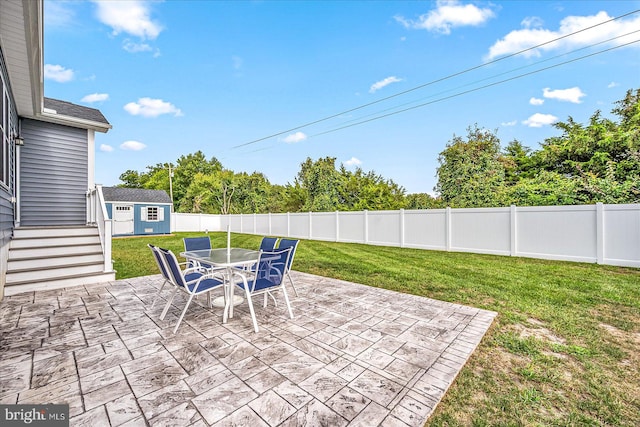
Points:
(491, 77)
(435, 81)
(476, 89)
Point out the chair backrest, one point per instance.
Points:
(268, 243)
(196, 243)
(173, 267)
(272, 267)
(158, 257)
(289, 243)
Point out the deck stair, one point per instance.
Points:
(54, 257)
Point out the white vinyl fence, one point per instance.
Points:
(603, 234)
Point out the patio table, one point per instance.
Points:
(228, 258)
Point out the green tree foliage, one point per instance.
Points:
(587, 163)
(471, 172)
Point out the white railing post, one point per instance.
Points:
(108, 264)
(600, 233)
(402, 228)
(514, 230)
(337, 227)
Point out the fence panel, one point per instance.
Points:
(299, 225)
(351, 226)
(557, 232)
(481, 230)
(384, 228)
(425, 229)
(622, 235)
(323, 226)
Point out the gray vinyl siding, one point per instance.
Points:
(53, 174)
(7, 189)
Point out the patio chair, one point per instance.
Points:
(268, 243)
(197, 244)
(266, 279)
(163, 271)
(194, 281)
(293, 244)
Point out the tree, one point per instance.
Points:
(186, 169)
(367, 190)
(321, 182)
(471, 172)
(130, 179)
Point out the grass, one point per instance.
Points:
(564, 349)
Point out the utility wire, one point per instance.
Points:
(491, 77)
(436, 81)
(475, 89)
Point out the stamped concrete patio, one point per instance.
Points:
(353, 355)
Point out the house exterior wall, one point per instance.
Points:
(53, 174)
(141, 227)
(8, 125)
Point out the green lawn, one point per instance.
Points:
(564, 349)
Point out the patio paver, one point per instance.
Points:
(353, 355)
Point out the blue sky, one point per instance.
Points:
(174, 77)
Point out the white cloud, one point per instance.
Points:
(95, 97)
(133, 47)
(449, 14)
(568, 95)
(382, 83)
(532, 22)
(148, 107)
(132, 146)
(536, 101)
(511, 123)
(295, 137)
(353, 162)
(538, 120)
(613, 84)
(527, 37)
(58, 73)
(130, 16)
(106, 148)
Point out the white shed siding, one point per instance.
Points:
(53, 174)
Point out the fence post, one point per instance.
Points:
(447, 228)
(254, 224)
(288, 224)
(310, 224)
(366, 226)
(337, 227)
(270, 233)
(402, 228)
(514, 228)
(600, 233)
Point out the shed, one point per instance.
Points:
(138, 211)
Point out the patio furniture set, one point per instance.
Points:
(256, 273)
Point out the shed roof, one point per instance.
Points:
(72, 110)
(135, 195)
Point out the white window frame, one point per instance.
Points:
(147, 216)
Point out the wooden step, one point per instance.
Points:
(43, 242)
(16, 264)
(40, 232)
(53, 251)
